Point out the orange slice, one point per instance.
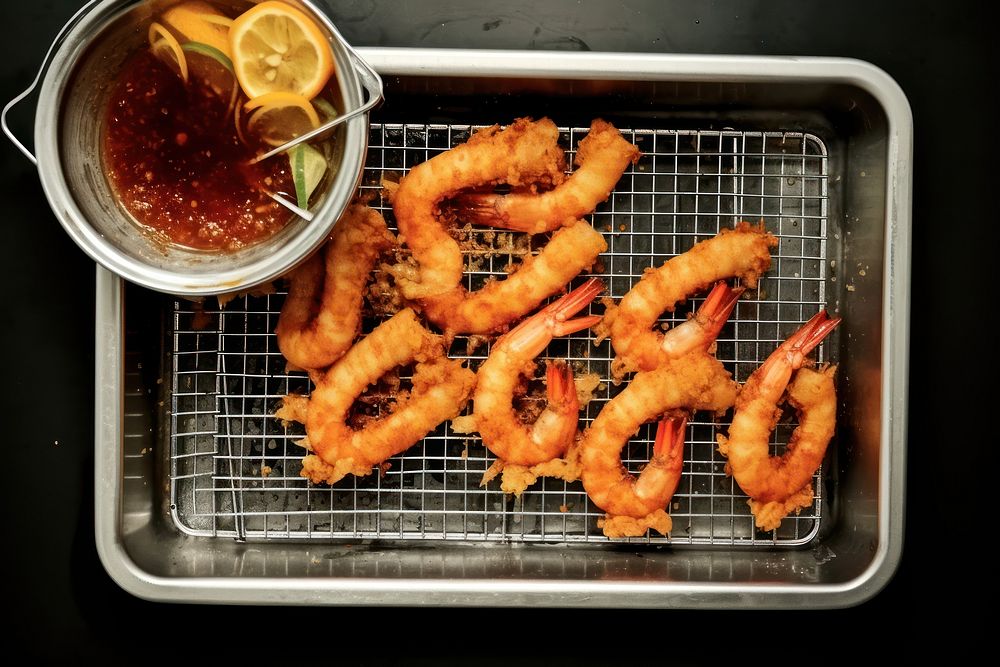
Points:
(277, 48)
(199, 22)
(280, 117)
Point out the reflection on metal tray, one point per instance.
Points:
(234, 469)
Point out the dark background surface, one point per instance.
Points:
(943, 54)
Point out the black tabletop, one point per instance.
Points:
(60, 601)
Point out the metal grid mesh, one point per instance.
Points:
(234, 468)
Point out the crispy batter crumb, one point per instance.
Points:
(474, 342)
(491, 472)
(293, 408)
(626, 526)
(516, 478)
(464, 424)
(586, 385)
(390, 184)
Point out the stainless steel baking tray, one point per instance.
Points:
(198, 496)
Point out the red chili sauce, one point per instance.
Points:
(173, 156)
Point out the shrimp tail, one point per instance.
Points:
(560, 388)
(482, 208)
(669, 441)
(718, 306)
(700, 332)
(791, 354)
(531, 336)
(813, 332)
(667, 461)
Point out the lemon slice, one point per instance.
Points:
(308, 169)
(218, 19)
(277, 48)
(166, 47)
(238, 120)
(199, 22)
(280, 117)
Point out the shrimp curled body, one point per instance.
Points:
(524, 152)
(512, 356)
(779, 485)
(694, 381)
(569, 251)
(322, 313)
(601, 159)
(743, 252)
(441, 387)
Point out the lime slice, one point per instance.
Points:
(211, 52)
(308, 168)
(324, 108)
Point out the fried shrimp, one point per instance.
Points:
(601, 159)
(441, 387)
(322, 312)
(524, 152)
(743, 252)
(571, 250)
(693, 381)
(779, 485)
(658, 480)
(512, 356)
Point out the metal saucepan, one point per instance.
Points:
(74, 82)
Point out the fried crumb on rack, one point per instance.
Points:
(382, 296)
(515, 479)
(293, 408)
(586, 385)
(390, 184)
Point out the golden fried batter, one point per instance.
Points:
(322, 312)
(441, 387)
(778, 485)
(601, 158)
(743, 252)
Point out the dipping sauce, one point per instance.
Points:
(172, 155)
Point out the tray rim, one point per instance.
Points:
(109, 369)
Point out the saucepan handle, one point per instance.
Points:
(370, 80)
(38, 77)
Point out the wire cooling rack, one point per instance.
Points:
(234, 469)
